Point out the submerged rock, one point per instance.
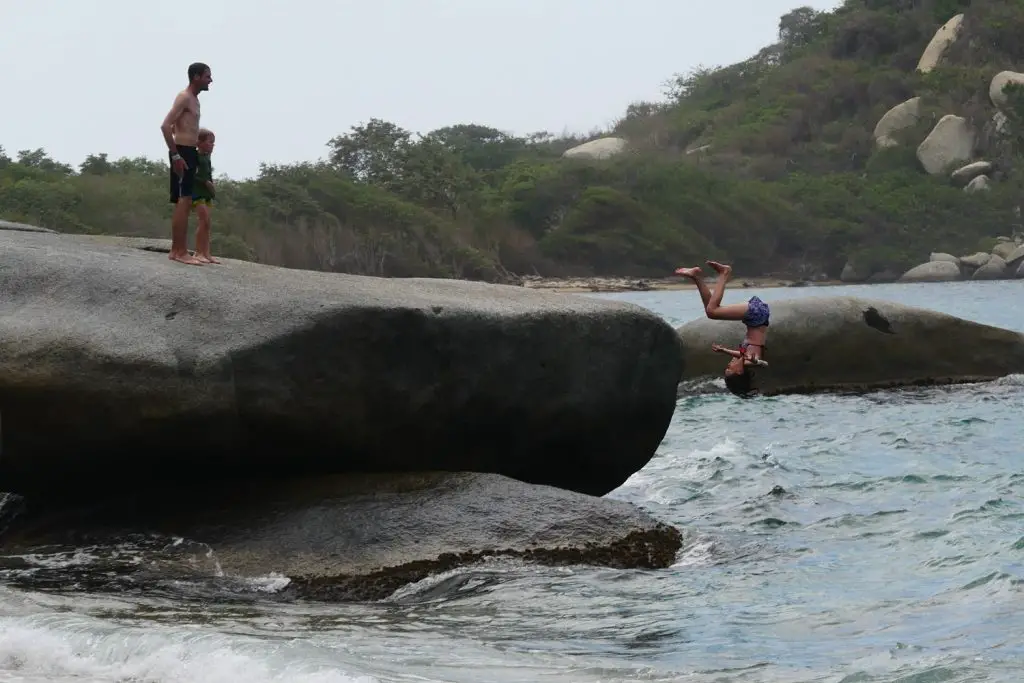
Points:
(849, 343)
(120, 368)
(360, 537)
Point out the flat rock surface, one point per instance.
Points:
(119, 367)
(827, 343)
(22, 227)
(361, 536)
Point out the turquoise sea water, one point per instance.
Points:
(828, 538)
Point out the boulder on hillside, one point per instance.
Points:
(1015, 257)
(939, 43)
(978, 184)
(933, 271)
(942, 256)
(602, 148)
(120, 368)
(975, 260)
(848, 343)
(1000, 81)
(1006, 250)
(965, 174)
(900, 117)
(994, 269)
(951, 142)
(342, 537)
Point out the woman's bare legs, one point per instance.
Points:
(697, 275)
(713, 300)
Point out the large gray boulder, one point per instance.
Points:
(342, 537)
(120, 368)
(900, 117)
(999, 82)
(849, 343)
(936, 270)
(601, 148)
(939, 44)
(994, 269)
(951, 143)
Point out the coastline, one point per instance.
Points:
(674, 283)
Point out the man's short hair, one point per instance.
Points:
(196, 69)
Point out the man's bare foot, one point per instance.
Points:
(721, 268)
(185, 258)
(205, 258)
(689, 272)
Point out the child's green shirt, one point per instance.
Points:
(204, 172)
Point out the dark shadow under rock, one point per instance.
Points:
(360, 537)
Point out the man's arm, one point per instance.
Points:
(167, 127)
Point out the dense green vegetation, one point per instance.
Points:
(787, 179)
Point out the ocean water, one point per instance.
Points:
(847, 539)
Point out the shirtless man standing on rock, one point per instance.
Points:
(181, 133)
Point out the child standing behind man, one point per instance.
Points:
(202, 195)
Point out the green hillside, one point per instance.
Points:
(771, 164)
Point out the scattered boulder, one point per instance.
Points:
(1015, 257)
(359, 536)
(1019, 271)
(994, 269)
(933, 271)
(120, 368)
(979, 184)
(852, 274)
(900, 117)
(1005, 250)
(950, 142)
(848, 343)
(601, 148)
(975, 260)
(941, 256)
(967, 173)
(939, 43)
(1000, 81)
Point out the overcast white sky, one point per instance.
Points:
(89, 76)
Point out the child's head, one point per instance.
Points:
(206, 140)
(738, 378)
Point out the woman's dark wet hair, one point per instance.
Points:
(741, 384)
